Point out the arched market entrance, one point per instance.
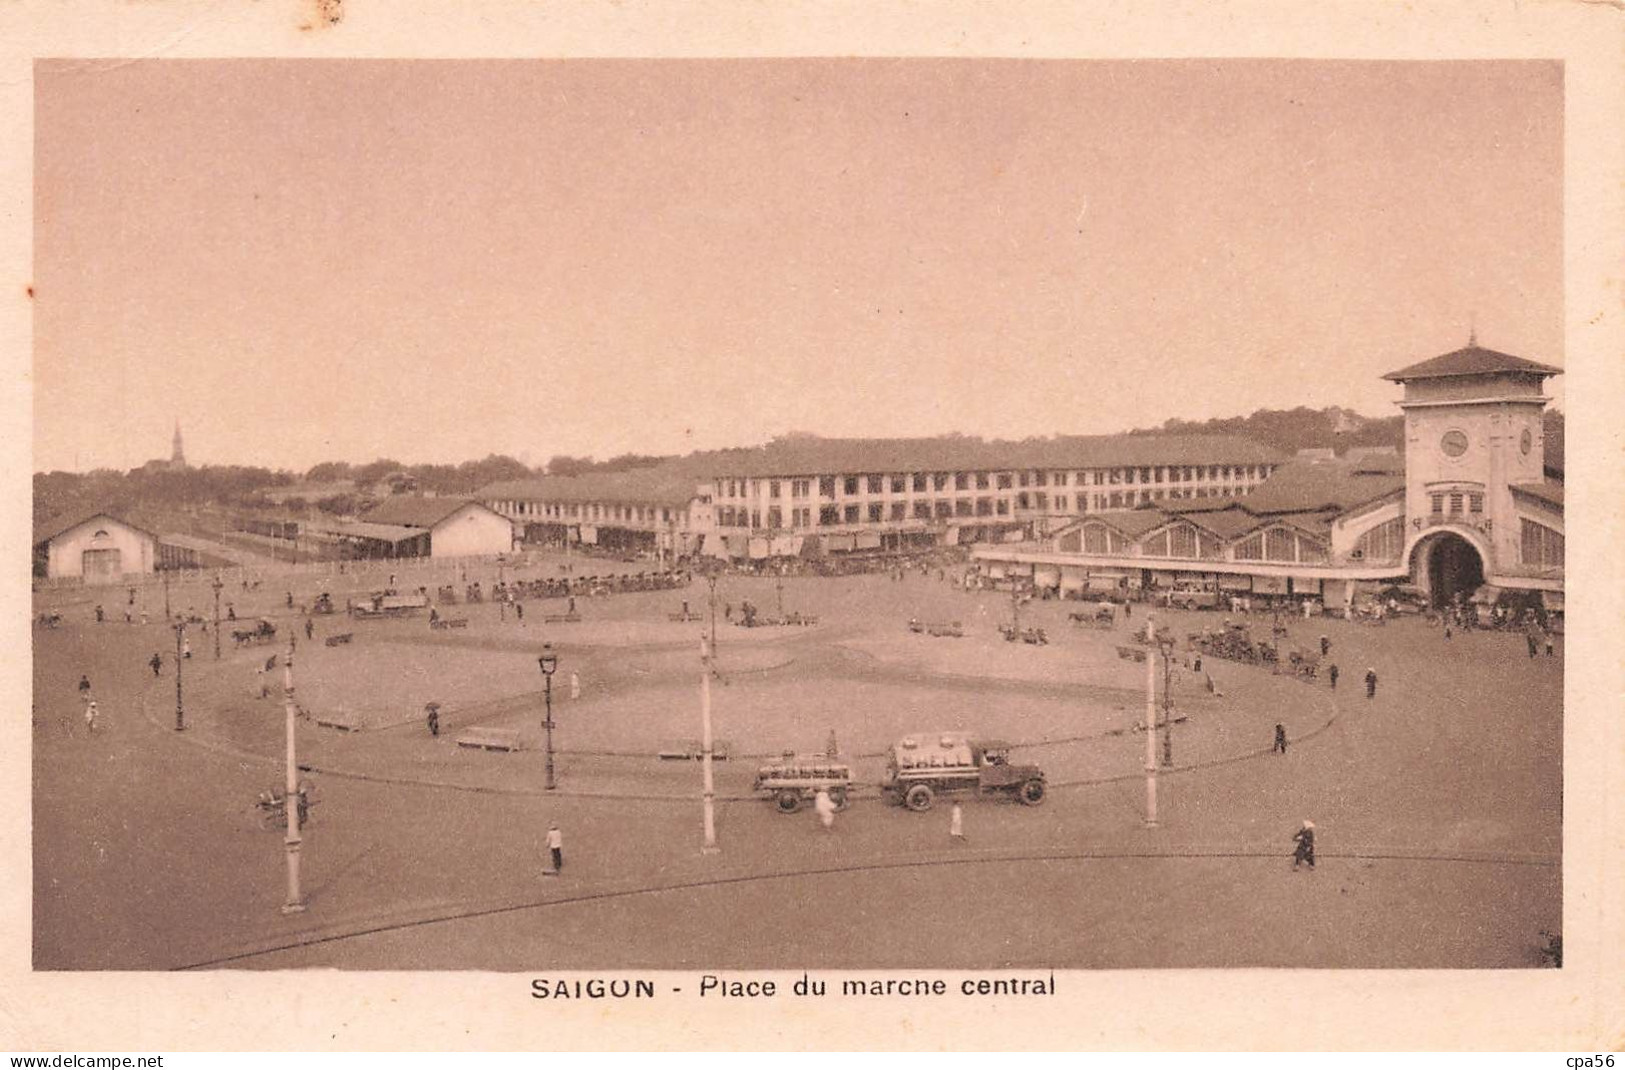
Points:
(1448, 565)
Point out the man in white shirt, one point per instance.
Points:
(555, 847)
(826, 809)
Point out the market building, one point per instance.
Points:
(1473, 506)
(808, 496)
(99, 548)
(410, 526)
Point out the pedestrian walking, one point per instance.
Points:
(1325, 646)
(555, 849)
(1371, 683)
(90, 716)
(1128, 609)
(1280, 740)
(826, 809)
(1447, 631)
(1332, 674)
(956, 824)
(1305, 852)
(84, 687)
(310, 628)
(1534, 646)
(231, 611)
(129, 618)
(100, 616)
(519, 609)
(290, 600)
(1549, 645)
(157, 664)
(575, 686)
(433, 711)
(572, 608)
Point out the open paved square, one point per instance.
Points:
(1437, 802)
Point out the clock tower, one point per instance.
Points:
(1473, 431)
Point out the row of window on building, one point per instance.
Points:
(642, 514)
(731, 516)
(1473, 501)
(926, 482)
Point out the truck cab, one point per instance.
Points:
(919, 768)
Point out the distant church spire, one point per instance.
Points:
(178, 455)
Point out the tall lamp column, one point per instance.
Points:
(180, 704)
(217, 585)
(549, 664)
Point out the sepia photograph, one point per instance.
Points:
(847, 513)
(933, 529)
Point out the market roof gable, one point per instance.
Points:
(1471, 360)
(49, 529)
(1320, 486)
(410, 511)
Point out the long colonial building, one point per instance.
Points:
(796, 496)
(1474, 501)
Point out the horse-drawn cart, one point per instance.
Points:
(263, 631)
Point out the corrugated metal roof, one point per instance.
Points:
(1471, 360)
(661, 485)
(50, 528)
(361, 529)
(409, 510)
(1131, 522)
(1320, 486)
(831, 456)
(1550, 491)
(1226, 523)
(674, 482)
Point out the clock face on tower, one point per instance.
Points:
(1454, 443)
(1525, 441)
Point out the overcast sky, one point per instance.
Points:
(306, 261)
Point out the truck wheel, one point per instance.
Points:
(918, 798)
(788, 802)
(838, 797)
(1032, 792)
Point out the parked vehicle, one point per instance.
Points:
(1103, 616)
(792, 781)
(392, 605)
(916, 771)
(1194, 594)
(263, 631)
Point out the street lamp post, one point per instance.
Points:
(1167, 647)
(1150, 730)
(711, 583)
(217, 585)
(293, 841)
(549, 664)
(180, 705)
(166, 594)
(710, 844)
